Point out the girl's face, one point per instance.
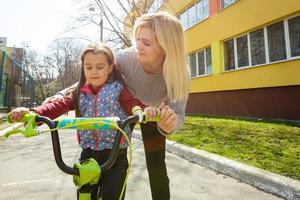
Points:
(96, 69)
(149, 53)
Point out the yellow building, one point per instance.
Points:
(244, 56)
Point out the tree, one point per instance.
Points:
(58, 69)
(39, 72)
(119, 17)
(64, 57)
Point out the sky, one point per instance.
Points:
(35, 23)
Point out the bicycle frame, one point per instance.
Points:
(87, 172)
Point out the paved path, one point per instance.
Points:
(28, 171)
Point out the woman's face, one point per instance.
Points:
(149, 52)
(96, 69)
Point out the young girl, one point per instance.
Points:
(100, 93)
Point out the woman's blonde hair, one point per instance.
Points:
(168, 32)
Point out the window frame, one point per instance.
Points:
(263, 49)
(224, 7)
(205, 62)
(289, 53)
(155, 5)
(185, 27)
(195, 7)
(266, 44)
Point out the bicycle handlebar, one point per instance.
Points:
(81, 123)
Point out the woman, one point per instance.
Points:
(155, 71)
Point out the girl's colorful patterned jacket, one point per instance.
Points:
(111, 100)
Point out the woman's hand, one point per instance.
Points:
(151, 112)
(54, 98)
(17, 113)
(168, 118)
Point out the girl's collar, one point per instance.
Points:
(87, 88)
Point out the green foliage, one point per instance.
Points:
(270, 145)
(52, 88)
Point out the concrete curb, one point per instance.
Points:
(267, 181)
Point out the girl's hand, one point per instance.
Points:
(17, 114)
(168, 118)
(151, 112)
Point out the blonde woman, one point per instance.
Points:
(155, 71)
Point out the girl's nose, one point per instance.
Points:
(94, 71)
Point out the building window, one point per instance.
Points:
(242, 51)
(226, 3)
(184, 20)
(193, 64)
(205, 9)
(294, 33)
(200, 62)
(195, 14)
(276, 41)
(229, 55)
(202, 10)
(156, 4)
(208, 61)
(257, 43)
(192, 15)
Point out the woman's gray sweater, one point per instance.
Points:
(150, 89)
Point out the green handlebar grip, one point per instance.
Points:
(27, 117)
(24, 119)
(30, 125)
(136, 110)
(154, 119)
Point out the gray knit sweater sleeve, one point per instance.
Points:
(179, 108)
(148, 88)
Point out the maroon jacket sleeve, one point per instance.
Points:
(128, 101)
(54, 110)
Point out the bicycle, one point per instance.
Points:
(87, 171)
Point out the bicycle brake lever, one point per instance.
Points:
(30, 126)
(12, 132)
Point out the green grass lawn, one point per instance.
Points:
(273, 146)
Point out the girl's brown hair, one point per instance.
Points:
(96, 48)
